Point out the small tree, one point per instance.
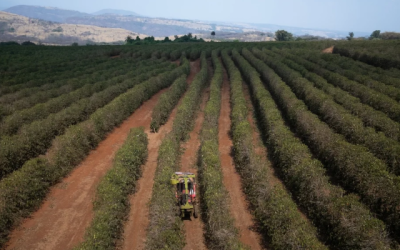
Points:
(28, 43)
(137, 38)
(166, 40)
(351, 36)
(75, 44)
(128, 40)
(283, 35)
(375, 35)
(213, 34)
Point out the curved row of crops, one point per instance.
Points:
(29, 97)
(368, 96)
(352, 166)
(370, 117)
(379, 54)
(284, 228)
(336, 116)
(12, 123)
(86, 71)
(391, 91)
(35, 138)
(23, 190)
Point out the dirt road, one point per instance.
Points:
(61, 221)
(328, 50)
(194, 228)
(239, 206)
(138, 220)
(136, 227)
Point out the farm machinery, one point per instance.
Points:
(185, 193)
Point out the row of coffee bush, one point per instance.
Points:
(389, 77)
(382, 54)
(167, 102)
(35, 138)
(370, 117)
(165, 229)
(12, 123)
(29, 97)
(23, 191)
(367, 96)
(352, 166)
(220, 230)
(111, 205)
(282, 228)
(86, 72)
(337, 117)
(352, 74)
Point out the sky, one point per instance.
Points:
(338, 15)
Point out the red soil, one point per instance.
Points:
(239, 207)
(328, 50)
(136, 227)
(259, 147)
(61, 221)
(194, 227)
(138, 220)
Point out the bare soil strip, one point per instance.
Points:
(62, 220)
(239, 206)
(328, 50)
(194, 228)
(136, 227)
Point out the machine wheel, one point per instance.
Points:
(195, 211)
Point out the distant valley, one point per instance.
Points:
(161, 27)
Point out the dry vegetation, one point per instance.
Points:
(36, 30)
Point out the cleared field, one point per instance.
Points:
(292, 148)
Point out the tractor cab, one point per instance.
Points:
(185, 184)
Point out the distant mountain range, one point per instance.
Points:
(159, 27)
(116, 12)
(20, 29)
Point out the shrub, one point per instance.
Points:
(337, 117)
(34, 139)
(345, 222)
(165, 228)
(23, 191)
(167, 102)
(111, 204)
(369, 116)
(285, 228)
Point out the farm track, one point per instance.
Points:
(136, 226)
(244, 221)
(194, 228)
(62, 220)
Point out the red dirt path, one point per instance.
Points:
(328, 50)
(194, 228)
(244, 221)
(136, 227)
(61, 221)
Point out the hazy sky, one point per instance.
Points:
(343, 15)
